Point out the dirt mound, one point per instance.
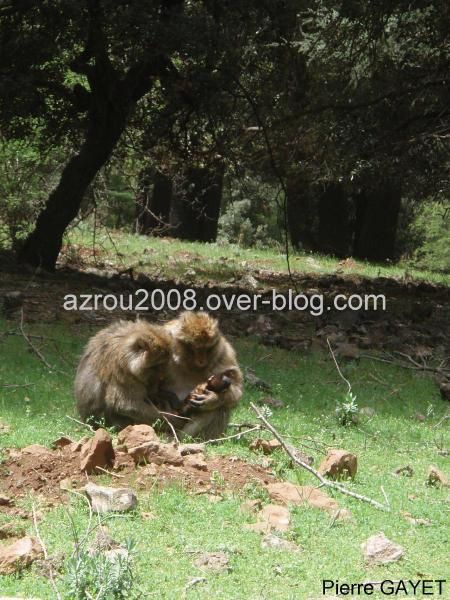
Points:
(49, 473)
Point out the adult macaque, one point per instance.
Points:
(199, 352)
(120, 371)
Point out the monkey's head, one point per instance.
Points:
(197, 339)
(147, 353)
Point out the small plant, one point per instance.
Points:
(347, 409)
(100, 576)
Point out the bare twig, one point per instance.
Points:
(109, 472)
(324, 482)
(235, 435)
(81, 423)
(44, 550)
(337, 367)
(174, 433)
(30, 343)
(11, 386)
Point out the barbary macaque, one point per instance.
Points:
(200, 351)
(120, 371)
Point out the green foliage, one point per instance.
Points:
(26, 176)
(250, 215)
(347, 409)
(97, 575)
(432, 224)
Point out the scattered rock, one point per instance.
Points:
(408, 517)
(252, 379)
(66, 484)
(107, 499)
(367, 411)
(420, 417)
(379, 550)
(6, 500)
(4, 428)
(97, 452)
(186, 449)
(288, 493)
(157, 453)
(267, 446)
(36, 450)
(196, 461)
(339, 463)
(251, 506)
(9, 530)
(61, 442)
(273, 542)
(345, 350)
(214, 561)
(136, 435)
(19, 555)
(271, 517)
(437, 477)
(122, 461)
(272, 402)
(406, 471)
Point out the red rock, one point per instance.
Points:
(288, 493)
(196, 461)
(19, 555)
(339, 463)
(156, 453)
(272, 517)
(267, 446)
(36, 450)
(436, 477)
(97, 452)
(136, 435)
(379, 550)
(61, 442)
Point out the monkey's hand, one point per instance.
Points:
(206, 401)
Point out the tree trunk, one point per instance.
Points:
(154, 205)
(377, 211)
(300, 211)
(335, 227)
(196, 204)
(42, 246)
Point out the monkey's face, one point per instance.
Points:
(148, 359)
(198, 355)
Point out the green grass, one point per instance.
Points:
(184, 524)
(199, 262)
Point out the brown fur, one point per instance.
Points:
(120, 371)
(200, 350)
(215, 383)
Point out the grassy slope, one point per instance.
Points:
(171, 258)
(309, 386)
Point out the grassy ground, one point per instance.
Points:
(310, 387)
(199, 262)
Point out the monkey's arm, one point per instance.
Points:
(231, 396)
(133, 408)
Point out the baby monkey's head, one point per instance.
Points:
(197, 339)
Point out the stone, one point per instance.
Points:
(266, 446)
(288, 493)
(6, 500)
(252, 379)
(196, 461)
(107, 499)
(273, 542)
(123, 461)
(251, 506)
(367, 411)
(36, 450)
(214, 561)
(186, 449)
(61, 442)
(437, 477)
(271, 402)
(136, 435)
(339, 463)
(271, 517)
(378, 549)
(157, 453)
(97, 452)
(19, 555)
